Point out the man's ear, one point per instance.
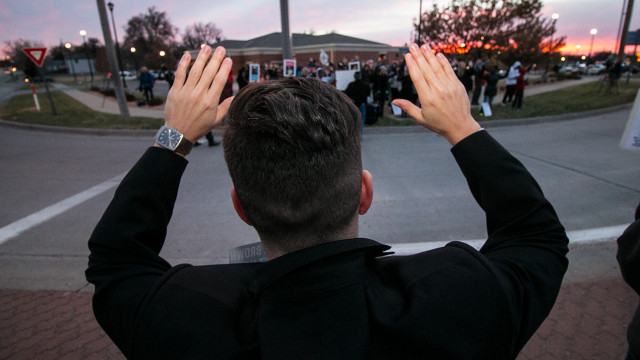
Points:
(238, 206)
(366, 195)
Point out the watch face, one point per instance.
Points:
(169, 138)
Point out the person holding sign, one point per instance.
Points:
(293, 152)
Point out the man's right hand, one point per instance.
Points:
(192, 104)
(444, 100)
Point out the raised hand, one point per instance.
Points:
(444, 102)
(192, 104)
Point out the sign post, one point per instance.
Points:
(35, 97)
(37, 56)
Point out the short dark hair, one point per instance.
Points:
(292, 147)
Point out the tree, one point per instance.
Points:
(151, 33)
(199, 33)
(474, 29)
(19, 58)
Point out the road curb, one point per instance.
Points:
(369, 130)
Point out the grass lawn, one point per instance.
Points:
(568, 100)
(573, 99)
(70, 112)
(74, 114)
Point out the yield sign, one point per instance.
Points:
(35, 54)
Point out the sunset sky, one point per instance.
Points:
(53, 21)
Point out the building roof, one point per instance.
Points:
(274, 40)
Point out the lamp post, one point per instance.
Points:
(73, 68)
(593, 36)
(115, 34)
(83, 33)
(419, 25)
(135, 61)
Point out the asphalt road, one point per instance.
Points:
(55, 187)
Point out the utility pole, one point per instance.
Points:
(286, 35)
(625, 30)
(113, 62)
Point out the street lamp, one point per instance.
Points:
(135, 61)
(162, 53)
(115, 34)
(83, 33)
(73, 69)
(593, 36)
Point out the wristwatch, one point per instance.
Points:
(172, 139)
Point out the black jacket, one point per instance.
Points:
(629, 260)
(340, 300)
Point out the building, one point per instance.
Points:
(339, 48)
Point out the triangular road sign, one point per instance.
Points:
(36, 54)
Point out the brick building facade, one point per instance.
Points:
(268, 49)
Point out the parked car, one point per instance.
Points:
(596, 69)
(568, 69)
(128, 75)
(582, 68)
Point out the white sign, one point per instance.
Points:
(289, 68)
(324, 58)
(343, 78)
(254, 73)
(486, 109)
(631, 136)
(354, 65)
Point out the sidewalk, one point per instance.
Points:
(588, 321)
(108, 104)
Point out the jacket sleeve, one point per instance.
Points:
(628, 255)
(124, 264)
(526, 245)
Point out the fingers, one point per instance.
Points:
(211, 69)
(422, 63)
(214, 91)
(181, 72)
(446, 67)
(198, 66)
(417, 77)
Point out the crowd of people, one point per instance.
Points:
(386, 81)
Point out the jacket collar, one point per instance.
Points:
(271, 271)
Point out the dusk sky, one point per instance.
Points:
(53, 21)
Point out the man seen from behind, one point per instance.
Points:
(292, 147)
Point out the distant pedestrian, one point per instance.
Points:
(358, 92)
(478, 76)
(628, 257)
(168, 75)
(512, 75)
(465, 75)
(615, 73)
(520, 84)
(243, 76)
(491, 88)
(146, 83)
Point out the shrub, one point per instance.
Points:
(154, 102)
